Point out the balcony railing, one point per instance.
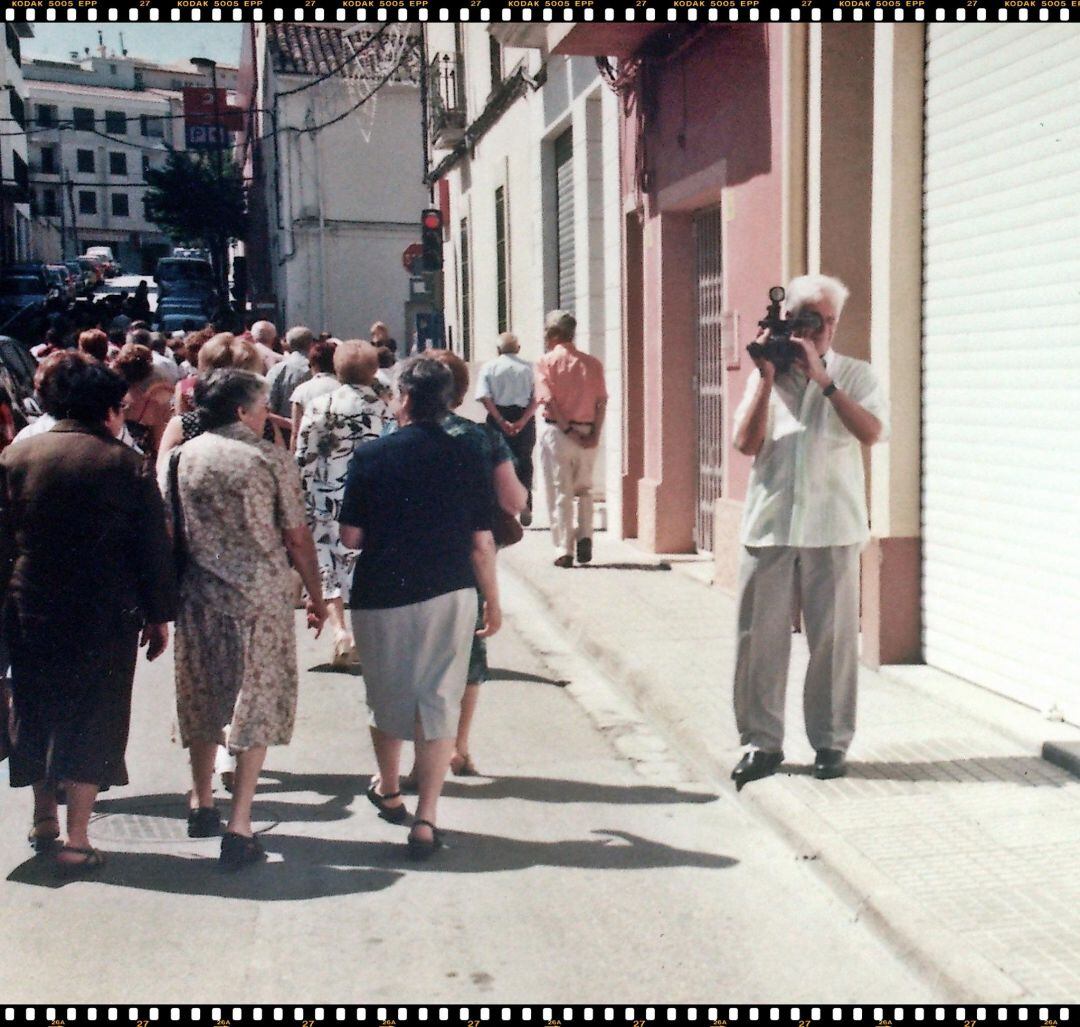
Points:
(447, 104)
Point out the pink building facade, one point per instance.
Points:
(747, 158)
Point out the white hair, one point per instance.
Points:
(810, 288)
(562, 322)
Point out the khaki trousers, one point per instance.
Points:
(827, 580)
(568, 474)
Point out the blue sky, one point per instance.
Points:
(165, 41)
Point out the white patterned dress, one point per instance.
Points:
(235, 636)
(331, 429)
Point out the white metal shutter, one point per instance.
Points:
(1001, 367)
(564, 206)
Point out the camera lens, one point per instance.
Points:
(776, 293)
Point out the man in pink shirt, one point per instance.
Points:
(572, 396)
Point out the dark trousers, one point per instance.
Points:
(521, 445)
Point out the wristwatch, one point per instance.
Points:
(829, 389)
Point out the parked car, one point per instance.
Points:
(174, 273)
(64, 280)
(191, 252)
(187, 304)
(17, 368)
(85, 280)
(110, 266)
(24, 291)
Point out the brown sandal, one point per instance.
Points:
(91, 860)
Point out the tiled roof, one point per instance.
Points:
(299, 49)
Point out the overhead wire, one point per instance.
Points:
(408, 48)
(333, 71)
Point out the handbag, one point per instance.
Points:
(506, 529)
(180, 555)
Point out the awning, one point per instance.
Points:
(602, 40)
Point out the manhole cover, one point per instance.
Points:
(136, 828)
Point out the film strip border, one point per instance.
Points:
(386, 1015)
(544, 11)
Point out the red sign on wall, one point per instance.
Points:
(199, 109)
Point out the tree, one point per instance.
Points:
(197, 201)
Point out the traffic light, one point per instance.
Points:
(431, 239)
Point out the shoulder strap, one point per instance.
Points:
(174, 493)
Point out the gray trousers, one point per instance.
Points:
(827, 580)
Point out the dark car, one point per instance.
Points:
(17, 368)
(63, 279)
(179, 311)
(85, 280)
(25, 289)
(187, 275)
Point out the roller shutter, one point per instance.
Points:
(564, 206)
(1001, 368)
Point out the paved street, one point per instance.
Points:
(591, 867)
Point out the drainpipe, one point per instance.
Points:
(322, 217)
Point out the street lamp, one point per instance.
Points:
(205, 64)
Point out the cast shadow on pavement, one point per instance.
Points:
(506, 674)
(1031, 771)
(558, 790)
(622, 566)
(353, 670)
(342, 790)
(305, 868)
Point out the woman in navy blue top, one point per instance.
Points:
(418, 505)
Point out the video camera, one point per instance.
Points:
(778, 349)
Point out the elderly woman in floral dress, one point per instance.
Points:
(330, 430)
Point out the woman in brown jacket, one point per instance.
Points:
(86, 577)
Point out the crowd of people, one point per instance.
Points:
(216, 481)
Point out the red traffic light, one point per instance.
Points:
(431, 220)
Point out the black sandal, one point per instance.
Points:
(41, 843)
(238, 850)
(421, 848)
(391, 814)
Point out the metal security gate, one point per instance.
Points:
(564, 219)
(1001, 362)
(708, 381)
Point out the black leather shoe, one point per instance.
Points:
(829, 763)
(584, 550)
(755, 765)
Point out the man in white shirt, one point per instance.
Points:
(505, 387)
(804, 524)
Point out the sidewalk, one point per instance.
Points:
(950, 832)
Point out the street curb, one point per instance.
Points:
(1065, 755)
(918, 939)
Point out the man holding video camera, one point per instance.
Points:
(804, 418)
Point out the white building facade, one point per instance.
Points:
(98, 124)
(333, 151)
(14, 167)
(525, 151)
